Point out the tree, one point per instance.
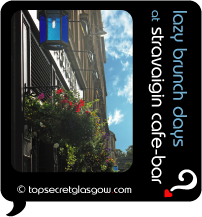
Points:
(120, 153)
(129, 151)
(127, 165)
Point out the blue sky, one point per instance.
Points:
(119, 75)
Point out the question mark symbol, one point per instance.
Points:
(185, 187)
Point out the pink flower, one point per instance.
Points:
(41, 96)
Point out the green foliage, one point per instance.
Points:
(56, 118)
(110, 166)
(129, 151)
(117, 162)
(103, 167)
(120, 153)
(66, 120)
(69, 152)
(127, 165)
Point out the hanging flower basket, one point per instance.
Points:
(61, 119)
(65, 122)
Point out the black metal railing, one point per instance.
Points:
(39, 89)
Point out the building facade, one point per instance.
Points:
(35, 67)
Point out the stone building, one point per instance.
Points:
(91, 41)
(79, 66)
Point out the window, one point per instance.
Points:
(69, 68)
(75, 28)
(53, 76)
(25, 53)
(55, 79)
(26, 50)
(26, 80)
(40, 67)
(72, 79)
(66, 68)
(74, 82)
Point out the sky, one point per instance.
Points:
(119, 75)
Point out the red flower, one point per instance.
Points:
(77, 106)
(70, 103)
(81, 102)
(65, 96)
(77, 109)
(59, 91)
(87, 112)
(63, 101)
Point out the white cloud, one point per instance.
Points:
(111, 69)
(117, 117)
(119, 28)
(115, 81)
(127, 91)
(126, 20)
(125, 65)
